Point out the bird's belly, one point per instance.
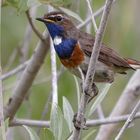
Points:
(102, 71)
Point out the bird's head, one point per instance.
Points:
(61, 29)
(56, 22)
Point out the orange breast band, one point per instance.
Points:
(76, 58)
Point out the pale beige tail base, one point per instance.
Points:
(134, 63)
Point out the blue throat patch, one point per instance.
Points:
(54, 29)
(66, 47)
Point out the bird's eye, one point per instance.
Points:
(59, 18)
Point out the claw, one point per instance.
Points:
(92, 92)
(78, 124)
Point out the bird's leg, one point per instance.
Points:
(92, 91)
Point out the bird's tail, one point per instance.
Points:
(133, 63)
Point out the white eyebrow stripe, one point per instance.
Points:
(55, 15)
(57, 40)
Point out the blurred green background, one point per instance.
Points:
(122, 34)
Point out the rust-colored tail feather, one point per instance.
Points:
(133, 63)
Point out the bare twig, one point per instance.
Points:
(77, 90)
(129, 120)
(54, 76)
(126, 101)
(26, 79)
(91, 69)
(29, 74)
(49, 100)
(33, 26)
(24, 49)
(97, 45)
(10, 60)
(2, 125)
(27, 35)
(90, 123)
(35, 123)
(14, 71)
(36, 82)
(96, 14)
(110, 120)
(92, 15)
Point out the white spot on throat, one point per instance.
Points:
(57, 40)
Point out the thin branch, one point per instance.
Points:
(10, 60)
(129, 120)
(90, 123)
(29, 74)
(49, 100)
(129, 96)
(77, 90)
(92, 15)
(27, 78)
(54, 76)
(110, 120)
(2, 124)
(33, 26)
(28, 35)
(91, 68)
(33, 123)
(96, 14)
(36, 82)
(14, 71)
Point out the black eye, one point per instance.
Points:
(59, 18)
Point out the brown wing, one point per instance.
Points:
(107, 55)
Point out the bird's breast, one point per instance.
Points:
(76, 58)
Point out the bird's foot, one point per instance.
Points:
(79, 123)
(91, 92)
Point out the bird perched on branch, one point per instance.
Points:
(74, 49)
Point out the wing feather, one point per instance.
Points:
(107, 55)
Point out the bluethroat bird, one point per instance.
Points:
(74, 48)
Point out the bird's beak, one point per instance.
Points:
(41, 19)
(44, 20)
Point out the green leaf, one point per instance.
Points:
(99, 98)
(31, 132)
(65, 130)
(20, 5)
(6, 123)
(46, 133)
(68, 113)
(56, 123)
(13, 3)
(89, 135)
(71, 13)
(32, 3)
